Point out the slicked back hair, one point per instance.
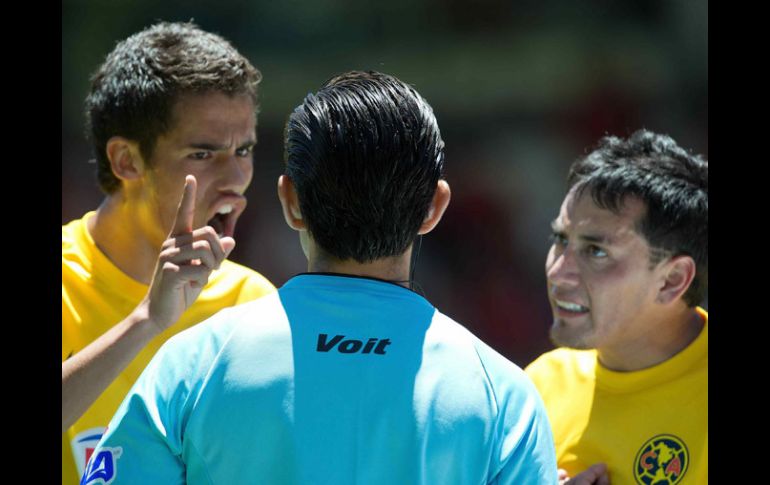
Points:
(672, 183)
(365, 154)
(134, 91)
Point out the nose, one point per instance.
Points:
(237, 173)
(561, 268)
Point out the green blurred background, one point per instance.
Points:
(520, 90)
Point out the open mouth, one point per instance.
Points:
(223, 220)
(227, 209)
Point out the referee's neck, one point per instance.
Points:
(394, 268)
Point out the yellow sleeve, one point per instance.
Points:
(66, 311)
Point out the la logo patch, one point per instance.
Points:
(84, 444)
(101, 467)
(662, 460)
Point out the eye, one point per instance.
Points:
(558, 239)
(244, 151)
(595, 251)
(200, 155)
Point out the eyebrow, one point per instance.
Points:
(215, 147)
(591, 238)
(596, 239)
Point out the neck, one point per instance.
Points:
(668, 337)
(117, 233)
(394, 269)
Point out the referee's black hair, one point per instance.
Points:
(672, 183)
(134, 91)
(365, 154)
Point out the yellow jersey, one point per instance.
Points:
(648, 426)
(95, 296)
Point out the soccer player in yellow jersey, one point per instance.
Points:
(627, 392)
(172, 116)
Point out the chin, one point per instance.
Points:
(573, 338)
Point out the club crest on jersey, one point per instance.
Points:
(101, 467)
(662, 460)
(83, 445)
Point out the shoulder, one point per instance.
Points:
(562, 358)
(559, 362)
(235, 277)
(454, 334)
(76, 251)
(67, 233)
(72, 234)
(503, 376)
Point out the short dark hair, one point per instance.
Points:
(134, 91)
(365, 155)
(672, 183)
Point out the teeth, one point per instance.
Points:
(573, 307)
(225, 209)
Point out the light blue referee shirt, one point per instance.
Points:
(331, 380)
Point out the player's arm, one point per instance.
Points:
(184, 265)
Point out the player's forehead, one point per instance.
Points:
(580, 215)
(211, 113)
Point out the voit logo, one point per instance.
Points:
(662, 460)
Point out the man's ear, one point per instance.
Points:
(677, 276)
(437, 207)
(125, 158)
(290, 203)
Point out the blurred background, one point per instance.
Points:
(520, 89)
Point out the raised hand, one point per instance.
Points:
(185, 263)
(186, 260)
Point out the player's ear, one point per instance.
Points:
(290, 203)
(437, 207)
(677, 275)
(125, 158)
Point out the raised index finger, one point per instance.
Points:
(184, 214)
